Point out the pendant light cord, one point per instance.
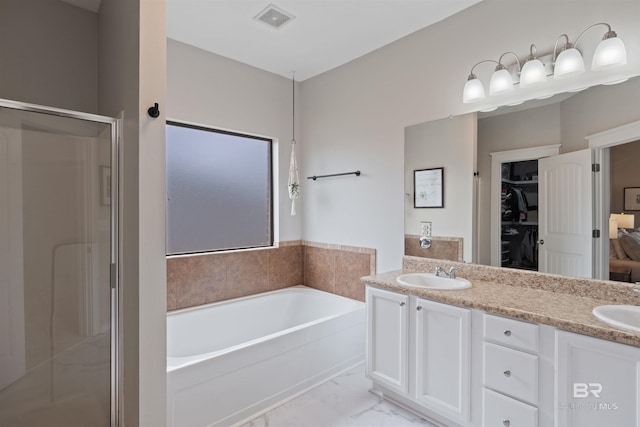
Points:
(293, 103)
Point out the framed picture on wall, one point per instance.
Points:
(428, 188)
(632, 199)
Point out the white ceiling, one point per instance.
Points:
(323, 35)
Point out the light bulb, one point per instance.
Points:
(569, 63)
(501, 82)
(473, 90)
(532, 73)
(609, 53)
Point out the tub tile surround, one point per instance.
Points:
(337, 269)
(448, 248)
(562, 302)
(205, 278)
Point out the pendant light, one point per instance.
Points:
(293, 183)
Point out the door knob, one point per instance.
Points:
(540, 242)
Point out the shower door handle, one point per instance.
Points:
(112, 275)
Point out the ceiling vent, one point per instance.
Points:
(274, 16)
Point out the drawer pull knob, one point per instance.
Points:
(506, 423)
(418, 308)
(507, 373)
(507, 333)
(402, 304)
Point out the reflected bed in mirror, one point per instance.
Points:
(555, 129)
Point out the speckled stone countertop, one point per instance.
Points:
(562, 302)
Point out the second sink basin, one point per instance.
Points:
(431, 281)
(621, 316)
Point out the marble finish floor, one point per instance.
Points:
(345, 401)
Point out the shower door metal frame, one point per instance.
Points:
(116, 129)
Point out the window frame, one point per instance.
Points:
(272, 187)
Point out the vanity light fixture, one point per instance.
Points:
(533, 71)
(567, 62)
(501, 80)
(473, 89)
(609, 53)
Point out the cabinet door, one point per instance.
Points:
(597, 382)
(442, 358)
(387, 338)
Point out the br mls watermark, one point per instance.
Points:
(584, 391)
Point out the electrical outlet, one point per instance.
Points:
(425, 228)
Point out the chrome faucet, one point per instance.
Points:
(440, 272)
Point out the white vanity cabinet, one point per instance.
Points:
(463, 367)
(510, 372)
(597, 382)
(388, 339)
(420, 349)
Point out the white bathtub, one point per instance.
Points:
(234, 359)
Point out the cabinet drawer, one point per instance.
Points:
(512, 333)
(511, 372)
(502, 411)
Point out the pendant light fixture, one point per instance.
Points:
(293, 183)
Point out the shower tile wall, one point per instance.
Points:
(203, 279)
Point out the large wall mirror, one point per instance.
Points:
(529, 201)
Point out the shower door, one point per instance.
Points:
(58, 253)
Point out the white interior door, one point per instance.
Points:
(565, 214)
(12, 332)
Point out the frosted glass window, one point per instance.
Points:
(218, 190)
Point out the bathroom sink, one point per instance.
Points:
(431, 281)
(621, 316)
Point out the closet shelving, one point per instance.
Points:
(519, 225)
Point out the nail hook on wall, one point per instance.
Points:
(154, 111)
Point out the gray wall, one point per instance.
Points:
(212, 90)
(354, 115)
(132, 58)
(49, 54)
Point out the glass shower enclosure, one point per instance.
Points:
(58, 263)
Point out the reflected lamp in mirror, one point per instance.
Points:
(613, 228)
(621, 221)
(567, 61)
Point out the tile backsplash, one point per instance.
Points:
(449, 248)
(205, 278)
